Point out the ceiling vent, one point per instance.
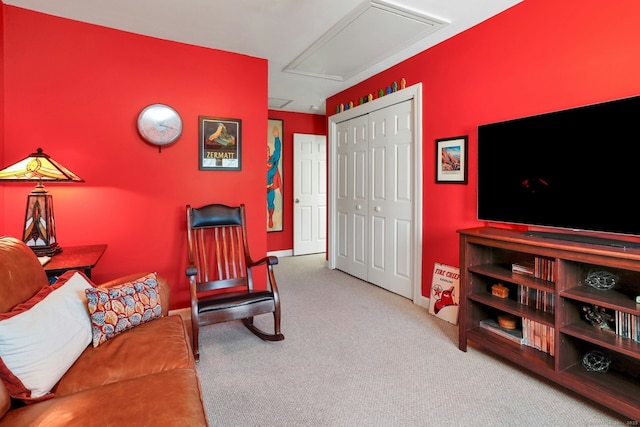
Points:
(369, 34)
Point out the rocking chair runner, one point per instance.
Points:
(220, 273)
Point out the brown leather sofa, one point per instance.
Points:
(145, 376)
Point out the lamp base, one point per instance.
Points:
(46, 250)
(39, 225)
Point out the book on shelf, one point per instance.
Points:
(541, 268)
(492, 325)
(545, 269)
(524, 267)
(536, 298)
(627, 325)
(538, 336)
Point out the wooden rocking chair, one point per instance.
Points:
(220, 273)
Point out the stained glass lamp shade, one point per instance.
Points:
(39, 225)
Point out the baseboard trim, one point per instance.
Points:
(423, 302)
(288, 252)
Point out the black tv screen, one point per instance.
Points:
(576, 169)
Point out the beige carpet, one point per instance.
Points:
(357, 355)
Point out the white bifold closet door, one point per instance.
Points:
(374, 203)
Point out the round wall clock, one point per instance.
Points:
(159, 124)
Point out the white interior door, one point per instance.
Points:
(390, 198)
(309, 194)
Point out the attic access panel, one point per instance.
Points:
(366, 36)
(278, 103)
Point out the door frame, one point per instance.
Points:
(414, 93)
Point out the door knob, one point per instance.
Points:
(378, 208)
(297, 200)
(358, 207)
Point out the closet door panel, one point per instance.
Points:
(390, 204)
(342, 196)
(358, 187)
(353, 197)
(377, 217)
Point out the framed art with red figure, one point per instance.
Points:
(274, 175)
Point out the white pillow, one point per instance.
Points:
(39, 345)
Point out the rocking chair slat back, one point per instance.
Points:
(219, 253)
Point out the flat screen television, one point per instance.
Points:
(573, 170)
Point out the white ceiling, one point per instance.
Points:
(281, 31)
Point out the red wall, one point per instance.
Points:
(293, 123)
(2, 202)
(538, 56)
(76, 90)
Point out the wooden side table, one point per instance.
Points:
(75, 258)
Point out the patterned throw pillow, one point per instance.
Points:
(120, 308)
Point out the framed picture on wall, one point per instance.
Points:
(451, 160)
(275, 132)
(220, 142)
